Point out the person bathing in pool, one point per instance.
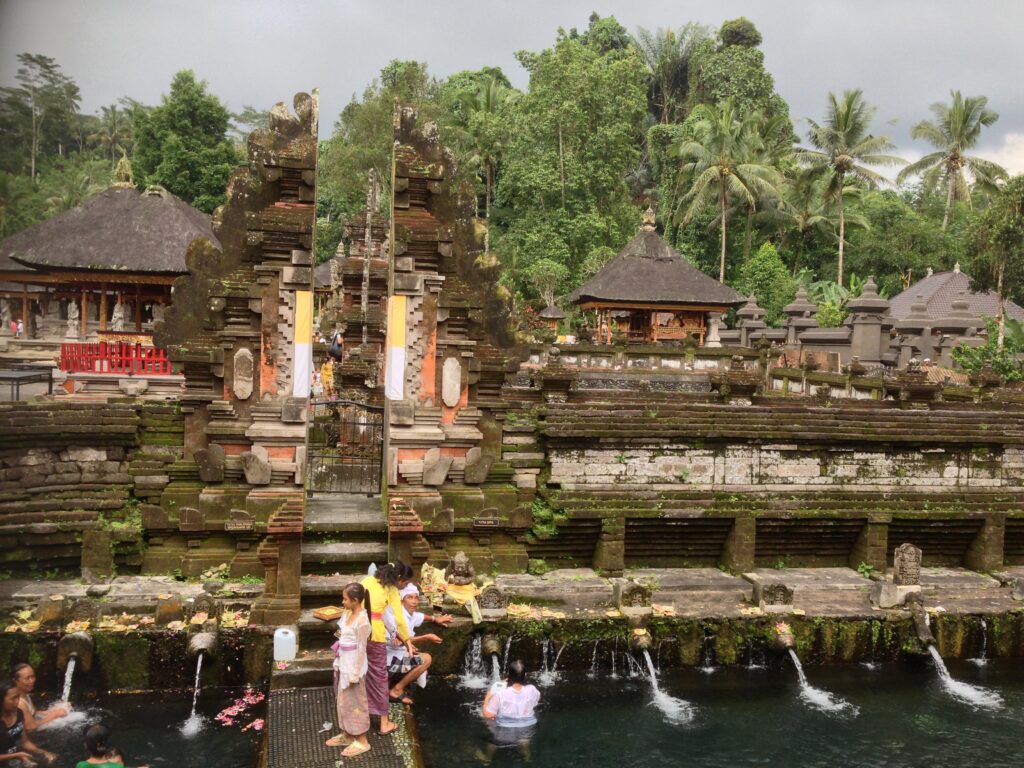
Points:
(15, 747)
(509, 712)
(25, 678)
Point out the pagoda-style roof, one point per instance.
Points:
(939, 290)
(118, 230)
(649, 271)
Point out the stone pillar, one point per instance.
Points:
(610, 552)
(713, 339)
(872, 544)
(740, 545)
(986, 551)
(97, 555)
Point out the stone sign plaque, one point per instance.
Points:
(487, 521)
(906, 565)
(239, 521)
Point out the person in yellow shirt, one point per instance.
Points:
(383, 589)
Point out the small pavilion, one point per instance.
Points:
(652, 294)
(104, 267)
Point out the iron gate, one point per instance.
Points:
(345, 447)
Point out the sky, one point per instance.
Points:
(904, 54)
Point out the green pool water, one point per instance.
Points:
(889, 715)
(148, 730)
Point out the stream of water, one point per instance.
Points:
(974, 695)
(194, 724)
(69, 674)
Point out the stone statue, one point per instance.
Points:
(118, 317)
(73, 317)
(460, 571)
(157, 311)
(5, 315)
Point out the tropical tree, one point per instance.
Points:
(954, 131)
(667, 54)
(484, 132)
(113, 133)
(844, 147)
(997, 242)
(721, 163)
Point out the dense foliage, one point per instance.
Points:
(685, 119)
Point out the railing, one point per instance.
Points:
(345, 447)
(114, 357)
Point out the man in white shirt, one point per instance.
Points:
(403, 669)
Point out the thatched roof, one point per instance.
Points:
(120, 229)
(551, 312)
(649, 271)
(939, 290)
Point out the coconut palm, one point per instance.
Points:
(114, 131)
(955, 130)
(483, 131)
(844, 147)
(805, 212)
(722, 163)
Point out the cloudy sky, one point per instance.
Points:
(904, 54)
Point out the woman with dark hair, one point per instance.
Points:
(382, 590)
(102, 754)
(509, 712)
(25, 678)
(350, 673)
(15, 747)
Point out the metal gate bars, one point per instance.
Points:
(345, 447)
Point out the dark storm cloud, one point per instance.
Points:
(904, 54)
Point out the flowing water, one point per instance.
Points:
(816, 697)
(982, 660)
(495, 669)
(549, 672)
(194, 724)
(69, 673)
(593, 662)
(675, 710)
(742, 720)
(974, 695)
(473, 676)
(508, 647)
(707, 655)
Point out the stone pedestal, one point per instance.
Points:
(986, 551)
(738, 552)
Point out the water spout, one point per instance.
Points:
(78, 645)
(69, 673)
(973, 695)
(816, 697)
(982, 660)
(474, 676)
(675, 710)
(194, 724)
(593, 662)
(202, 642)
(707, 655)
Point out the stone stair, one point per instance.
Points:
(343, 534)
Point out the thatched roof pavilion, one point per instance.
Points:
(122, 244)
(653, 291)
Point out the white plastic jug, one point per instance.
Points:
(284, 644)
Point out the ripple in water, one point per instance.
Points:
(192, 726)
(675, 710)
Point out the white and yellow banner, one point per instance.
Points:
(303, 349)
(394, 363)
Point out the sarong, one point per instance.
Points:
(353, 714)
(377, 677)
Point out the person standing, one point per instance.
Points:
(350, 671)
(383, 590)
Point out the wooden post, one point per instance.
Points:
(138, 309)
(103, 306)
(85, 311)
(24, 308)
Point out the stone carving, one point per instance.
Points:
(257, 469)
(243, 378)
(906, 565)
(451, 382)
(191, 519)
(210, 462)
(460, 572)
(777, 594)
(205, 603)
(73, 320)
(157, 310)
(117, 319)
(478, 465)
(5, 315)
(435, 467)
(491, 598)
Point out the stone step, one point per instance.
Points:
(343, 503)
(319, 557)
(345, 521)
(315, 635)
(309, 670)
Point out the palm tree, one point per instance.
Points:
(805, 212)
(955, 130)
(114, 132)
(844, 147)
(773, 147)
(722, 163)
(667, 55)
(483, 132)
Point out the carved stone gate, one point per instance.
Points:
(345, 447)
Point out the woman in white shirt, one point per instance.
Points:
(509, 712)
